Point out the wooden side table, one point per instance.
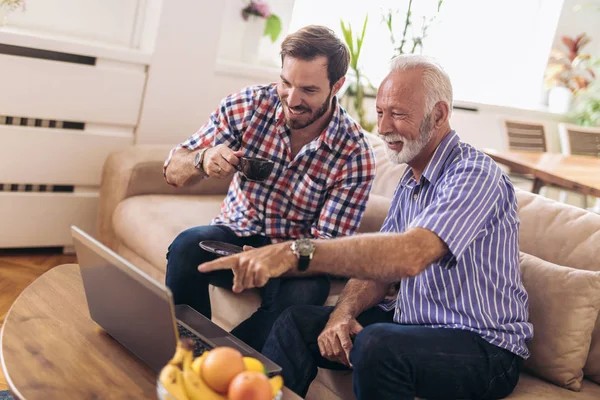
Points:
(51, 348)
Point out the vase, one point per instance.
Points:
(559, 99)
(254, 29)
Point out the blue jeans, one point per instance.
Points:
(393, 361)
(189, 286)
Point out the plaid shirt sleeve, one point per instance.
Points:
(344, 208)
(224, 126)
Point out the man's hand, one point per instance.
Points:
(220, 161)
(254, 267)
(335, 341)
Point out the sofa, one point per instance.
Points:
(139, 215)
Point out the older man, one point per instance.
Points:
(458, 327)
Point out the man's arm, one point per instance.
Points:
(221, 134)
(180, 170)
(359, 295)
(335, 341)
(386, 257)
(218, 162)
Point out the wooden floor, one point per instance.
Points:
(18, 268)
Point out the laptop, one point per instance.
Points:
(139, 313)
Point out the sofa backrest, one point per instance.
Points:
(559, 233)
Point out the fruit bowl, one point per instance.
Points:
(163, 394)
(218, 374)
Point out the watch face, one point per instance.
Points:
(305, 247)
(197, 159)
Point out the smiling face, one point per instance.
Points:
(305, 91)
(401, 119)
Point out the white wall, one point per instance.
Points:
(186, 81)
(112, 22)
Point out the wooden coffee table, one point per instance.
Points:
(51, 348)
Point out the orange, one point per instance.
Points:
(250, 385)
(220, 366)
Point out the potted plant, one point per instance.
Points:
(415, 42)
(568, 72)
(259, 21)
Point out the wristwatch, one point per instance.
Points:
(304, 250)
(199, 159)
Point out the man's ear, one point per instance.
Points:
(441, 113)
(338, 85)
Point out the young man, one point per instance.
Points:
(324, 168)
(458, 327)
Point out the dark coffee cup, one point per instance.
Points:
(255, 168)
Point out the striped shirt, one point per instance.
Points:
(321, 192)
(469, 203)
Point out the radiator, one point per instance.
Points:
(61, 114)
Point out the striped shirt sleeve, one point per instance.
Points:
(344, 208)
(224, 126)
(467, 198)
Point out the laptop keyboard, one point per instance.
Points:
(199, 346)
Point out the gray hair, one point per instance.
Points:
(435, 80)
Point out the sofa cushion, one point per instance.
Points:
(563, 308)
(564, 235)
(148, 224)
(532, 388)
(375, 213)
(229, 309)
(558, 233)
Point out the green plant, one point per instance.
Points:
(416, 41)
(586, 107)
(357, 87)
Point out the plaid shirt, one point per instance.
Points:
(320, 193)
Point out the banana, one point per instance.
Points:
(197, 389)
(183, 348)
(252, 364)
(197, 363)
(171, 379)
(276, 384)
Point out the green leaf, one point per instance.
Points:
(347, 31)
(273, 27)
(359, 40)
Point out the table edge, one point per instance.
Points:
(13, 389)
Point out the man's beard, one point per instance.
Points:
(318, 113)
(410, 148)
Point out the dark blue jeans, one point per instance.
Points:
(393, 361)
(189, 286)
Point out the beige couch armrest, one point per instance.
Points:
(135, 171)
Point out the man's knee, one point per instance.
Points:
(289, 317)
(305, 319)
(305, 291)
(369, 347)
(183, 244)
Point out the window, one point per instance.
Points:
(494, 51)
